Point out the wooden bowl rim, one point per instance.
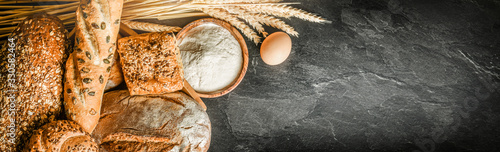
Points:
(237, 36)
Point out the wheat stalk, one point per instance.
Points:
(286, 12)
(21, 14)
(234, 1)
(254, 12)
(183, 15)
(242, 14)
(266, 10)
(276, 23)
(257, 19)
(226, 16)
(150, 27)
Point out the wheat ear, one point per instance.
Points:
(150, 27)
(266, 9)
(285, 11)
(242, 14)
(226, 16)
(234, 1)
(276, 23)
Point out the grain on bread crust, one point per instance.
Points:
(40, 45)
(97, 25)
(151, 63)
(62, 135)
(166, 122)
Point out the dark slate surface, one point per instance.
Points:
(385, 75)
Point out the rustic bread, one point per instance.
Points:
(35, 73)
(88, 68)
(63, 136)
(151, 63)
(168, 122)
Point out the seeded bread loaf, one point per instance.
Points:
(167, 122)
(88, 68)
(31, 78)
(151, 63)
(61, 136)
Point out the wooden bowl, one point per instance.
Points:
(240, 40)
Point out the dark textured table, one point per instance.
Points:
(385, 75)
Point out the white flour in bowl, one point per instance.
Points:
(211, 56)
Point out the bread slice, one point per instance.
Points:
(151, 63)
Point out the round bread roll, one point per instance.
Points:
(61, 136)
(168, 122)
(31, 69)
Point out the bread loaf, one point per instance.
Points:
(151, 63)
(168, 122)
(61, 136)
(30, 78)
(88, 68)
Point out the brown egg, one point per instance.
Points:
(276, 48)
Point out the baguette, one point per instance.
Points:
(88, 68)
(34, 69)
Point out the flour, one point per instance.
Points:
(211, 56)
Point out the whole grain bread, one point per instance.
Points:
(88, 68)
(31, 75)
(151, 63)
(167, 122)
(61, 136)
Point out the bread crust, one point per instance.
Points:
(89, 65)
(63, 136)
(167, 122)
(40, 44)
(151, 63)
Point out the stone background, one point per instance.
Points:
(385, 75)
